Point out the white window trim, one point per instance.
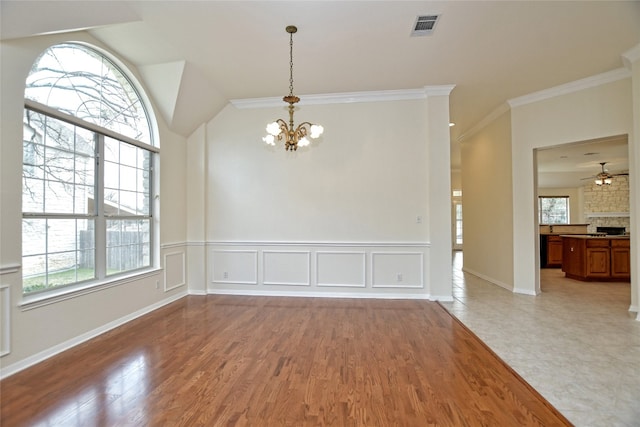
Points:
(56, 295)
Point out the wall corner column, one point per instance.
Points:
(631, 60)
(439, 194)
(196, 212)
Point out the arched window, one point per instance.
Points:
(87, 172)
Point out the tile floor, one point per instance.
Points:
(576, 343)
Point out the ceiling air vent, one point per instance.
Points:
(424, 25)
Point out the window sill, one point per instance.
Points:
(30, 302)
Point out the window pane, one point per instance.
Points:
(32, 195)
(57, 252)
(128, 245)
(34, 273)
(34, 237)
(111, 175)
(553, 210)
(127, 179)
(56, 178)
(128, 154)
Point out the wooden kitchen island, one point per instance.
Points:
(551, 242)
(596, 258)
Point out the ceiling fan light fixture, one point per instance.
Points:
(603, 178)
(603, 181)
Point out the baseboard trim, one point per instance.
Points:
(353, 295)
(525, 292)
(489, 279)
(52, 351)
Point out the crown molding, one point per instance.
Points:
(348, 97)
(441, 90)
(575, 86)
(503, 108)
(631, 56)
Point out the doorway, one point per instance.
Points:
(572, 171)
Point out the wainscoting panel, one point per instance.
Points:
(291, 268)
(397, 269)
(319, 269)
(5, 320)
(175, 270)
(339, 269)
(238, 267)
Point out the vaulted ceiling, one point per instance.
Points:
(197, 55)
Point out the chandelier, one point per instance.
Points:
(293, 136)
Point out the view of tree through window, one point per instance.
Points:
(87, 179)
(81, 82)
(553, 210)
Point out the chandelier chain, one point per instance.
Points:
(291, 64)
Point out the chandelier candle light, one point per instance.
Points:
(294, 137)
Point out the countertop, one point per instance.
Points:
(597, 236)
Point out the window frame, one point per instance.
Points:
(102, 279)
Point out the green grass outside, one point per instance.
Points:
(37, 283)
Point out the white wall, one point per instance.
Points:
(32, 333)
(348, 216)
(487, 203)
(603, 108)
(366, 180)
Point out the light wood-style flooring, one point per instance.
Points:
(264, 361)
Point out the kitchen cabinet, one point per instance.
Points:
(592, 258)
(551, 242)
(621, 259)
(554, 251)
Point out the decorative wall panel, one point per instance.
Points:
(340, 269)
(397, 269)
(175, 273)
(292, 268)
(235, 266)
(5, 320)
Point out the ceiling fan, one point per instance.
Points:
(604, 177)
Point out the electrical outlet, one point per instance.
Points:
(418, 219)
(157, 284)
(225, 275)
(399, 277)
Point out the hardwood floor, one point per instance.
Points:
(264, 361)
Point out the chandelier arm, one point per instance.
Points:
(303, 129)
